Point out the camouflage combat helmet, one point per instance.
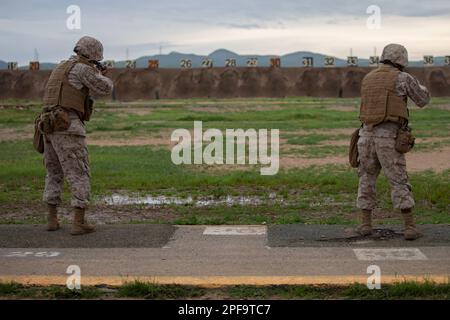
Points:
(90, 48)
(396, 54)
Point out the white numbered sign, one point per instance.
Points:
(186, 64)
(207, 63)
(308, 61)
(230, 63)
(41, 254)
(252, 62)
(352, 61)
(447, 60)
(329, 62)
(12, 66)
(374, 61)
(428, 60)
(130, 64)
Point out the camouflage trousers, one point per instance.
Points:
(376, 153)
(66, 156)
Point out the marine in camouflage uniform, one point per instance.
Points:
(65, 152)
(384, 95)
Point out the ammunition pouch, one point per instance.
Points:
(353, 151)
(88, 109)
(405, 139)
(52, 120)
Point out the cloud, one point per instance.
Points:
(200, 26)
(242, 26)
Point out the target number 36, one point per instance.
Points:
(428, 60)
(447, 60)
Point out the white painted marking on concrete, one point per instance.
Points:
(25, 254)
(369, 254)
(235, 231)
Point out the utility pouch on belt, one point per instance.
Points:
(405, 139)
(353, 151)
(38, 140)
(53, 119)
(88, 108)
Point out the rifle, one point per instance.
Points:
(100, 66)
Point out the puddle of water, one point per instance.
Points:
(117, 200)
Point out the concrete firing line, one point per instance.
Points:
(366, 254)
(361, 254)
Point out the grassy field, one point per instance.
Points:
(144, 290)
(130, 149)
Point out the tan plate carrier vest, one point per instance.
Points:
(379, 101)
(59, 92)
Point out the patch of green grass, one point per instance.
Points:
(9, 288)
(403, 290)
(146, 290)
(14, 289)
(318, 194)
(311, 139)
(314, 195)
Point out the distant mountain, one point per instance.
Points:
(173, 59)
(295, 59)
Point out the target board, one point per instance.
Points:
(130, 64)
(230, 63)
(153, 64)
(185, 63)
(374, 61)
(329, 62)
(109, 64)
(275, 62)
(447, 60)
(252, 62)
(428, 61)
(207, 63)
(34, 65)
(352, 61)
(308, 61)
(13, 65)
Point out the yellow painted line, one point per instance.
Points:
(213, 281)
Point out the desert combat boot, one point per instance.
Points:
(365, 228)
(52, 218)
(411, 232)
(79, 225)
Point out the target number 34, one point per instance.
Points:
(252, 62)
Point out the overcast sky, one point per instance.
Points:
(244, 26)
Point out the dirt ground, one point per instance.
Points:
(437, 160)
